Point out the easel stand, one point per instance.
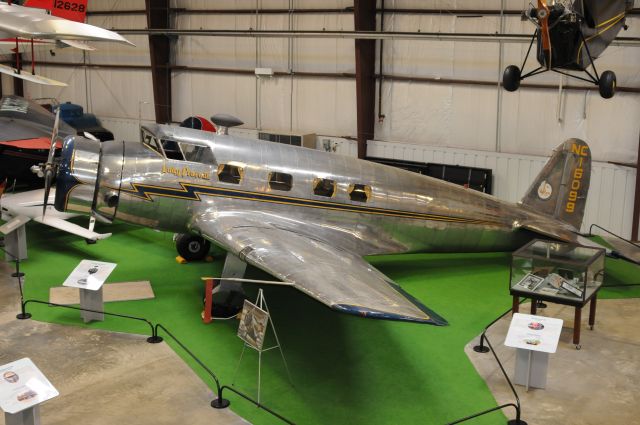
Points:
(30, 416)
(531, 368)
(91, 300)
(262, 303)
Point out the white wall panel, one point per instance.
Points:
(610, 199)
(206, 94)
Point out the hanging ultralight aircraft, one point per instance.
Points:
(570, 38)
(308, 217)
(33, 25)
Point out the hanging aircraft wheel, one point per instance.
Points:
(192, 247)
(511, 78)
(607, 84)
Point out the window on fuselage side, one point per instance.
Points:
(359, 192)
(151, 142)
(228, 173)
(280, 181)
(172, 150)
(324, 187)
(197, 153)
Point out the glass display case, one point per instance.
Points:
(560, 272)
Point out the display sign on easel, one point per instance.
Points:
(534, 337)
(89, 276)
(23, 387)
(254, 323)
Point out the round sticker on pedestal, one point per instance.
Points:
(544, 190)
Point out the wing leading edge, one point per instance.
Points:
(337, 278)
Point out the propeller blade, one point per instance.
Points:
(48, 178)
(48, 167)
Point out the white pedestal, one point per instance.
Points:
(15, 243)
(31, 416)
(92, 300)
(531, 368)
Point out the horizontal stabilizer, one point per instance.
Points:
(34, 78)
(69, 227)
(617, 246)
(14, 224)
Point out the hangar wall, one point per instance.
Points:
(426, 114)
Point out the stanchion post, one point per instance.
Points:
(23, 315)
(154, 338)
(220, 402)
(481, 348)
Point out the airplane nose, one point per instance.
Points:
(77, 174)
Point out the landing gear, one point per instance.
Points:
(607, 84)
(511, 78)
(192, 247)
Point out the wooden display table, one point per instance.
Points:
(592, 300)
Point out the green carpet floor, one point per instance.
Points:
(345, 369)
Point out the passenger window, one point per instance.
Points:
(196, 153)
(359, 192)
(172, 150)
(280, 181)
(230, 173)
(324, 187)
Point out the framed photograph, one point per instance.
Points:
(530, 282)
(253, 325)
(572, 288)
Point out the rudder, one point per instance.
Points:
(560, 189)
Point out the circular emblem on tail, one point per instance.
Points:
(544, 190)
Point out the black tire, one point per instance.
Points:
(192, 247)
(511, 78)
(607, 85)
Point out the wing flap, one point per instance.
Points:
(72, 228)
(337, 278)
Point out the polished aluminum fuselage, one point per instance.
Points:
(406, 212)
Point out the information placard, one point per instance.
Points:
(22, 386)
(89, 275)
(535, 333)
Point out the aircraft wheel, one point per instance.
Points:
(192, 247)
(607, 84)
(511, 78)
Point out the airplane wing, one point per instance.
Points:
(24, 22)
(34, 78)
(14, 224)
(69, 227)
(337, 278)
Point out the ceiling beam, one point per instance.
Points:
(364, 16)
(158, 16)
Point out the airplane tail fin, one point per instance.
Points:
(560, 190)
(74, 10)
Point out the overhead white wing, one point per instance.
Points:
(14, 224)
(34, 78)
(30, 23)
(336, 277)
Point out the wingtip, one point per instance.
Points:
(429, 318)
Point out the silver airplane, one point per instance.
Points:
(308, 217)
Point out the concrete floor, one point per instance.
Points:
(599, 384)
(105, 377)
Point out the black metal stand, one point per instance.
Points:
(540, 304)
(481, 348)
